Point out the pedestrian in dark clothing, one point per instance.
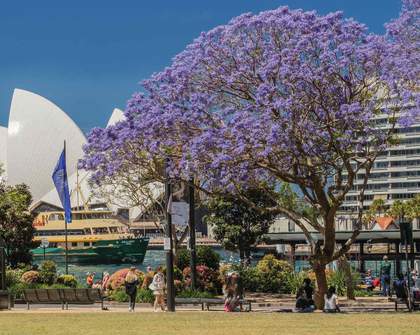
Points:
(131, 282)
(400, 289)
(309, 291)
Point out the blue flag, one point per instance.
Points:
(59, 177)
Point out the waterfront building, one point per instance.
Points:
(395, 175)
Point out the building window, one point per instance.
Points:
(74, 244)
(291, 226)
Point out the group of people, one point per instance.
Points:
(157, 286)
(131, 283)
(306, 304)
(399, 286)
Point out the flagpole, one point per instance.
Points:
(65, 227)
(170, 288)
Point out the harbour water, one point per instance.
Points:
(153, 258)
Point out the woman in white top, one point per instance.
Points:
(158, 287)
(331, 301)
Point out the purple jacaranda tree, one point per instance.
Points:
(282, 96)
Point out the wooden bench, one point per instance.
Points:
(64, 297)
(220, 301)
(189, 301)
(399, 301)
(207, 302)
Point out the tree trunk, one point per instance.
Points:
(247, 259)
(344, 266)
(322, 286)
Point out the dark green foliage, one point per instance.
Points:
(16, 228)
(238, 225)
(205, 256)
(177, 272)
(143, 296)
(208, 280)
(48, 272)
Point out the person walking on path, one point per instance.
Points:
(158, 288)
(385, 277)
(131, 281)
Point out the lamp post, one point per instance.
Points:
(2, 266)
(168, 246)
(192, 234)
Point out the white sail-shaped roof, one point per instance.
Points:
(36, 134)
(3, 148)
(81, 177)
(116, 116)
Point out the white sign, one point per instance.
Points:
(44, 242)
(167, 244)
(180, 213)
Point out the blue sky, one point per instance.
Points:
(89, 56)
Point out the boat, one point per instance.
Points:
(93, 237)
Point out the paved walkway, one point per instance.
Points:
(264, 303)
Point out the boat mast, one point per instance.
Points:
(77, 186)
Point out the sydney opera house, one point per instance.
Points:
(32, 142)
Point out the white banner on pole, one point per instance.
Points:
(180, 213)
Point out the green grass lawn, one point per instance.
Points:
(202, 323)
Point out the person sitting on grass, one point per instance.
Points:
(309, 291)
(302, 304)
(331, 301)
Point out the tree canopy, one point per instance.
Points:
(16, 228)
(281, 96)
(238, 226)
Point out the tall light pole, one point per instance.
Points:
(168, 245)
(192, 234)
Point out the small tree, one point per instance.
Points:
(238, 226)
(413, 208)
(16, 228)
(399, 210)
(375, 209)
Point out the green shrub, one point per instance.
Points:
(188, 293)
(16, 290)
(205, 256)
(145, 296)
(177, 273)
(249, 276)
(13, 276)
(67, 280)
(119, 295)
(207, 279)
(48, 272)
(294, 280)
(363, 293)
(272, 274)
